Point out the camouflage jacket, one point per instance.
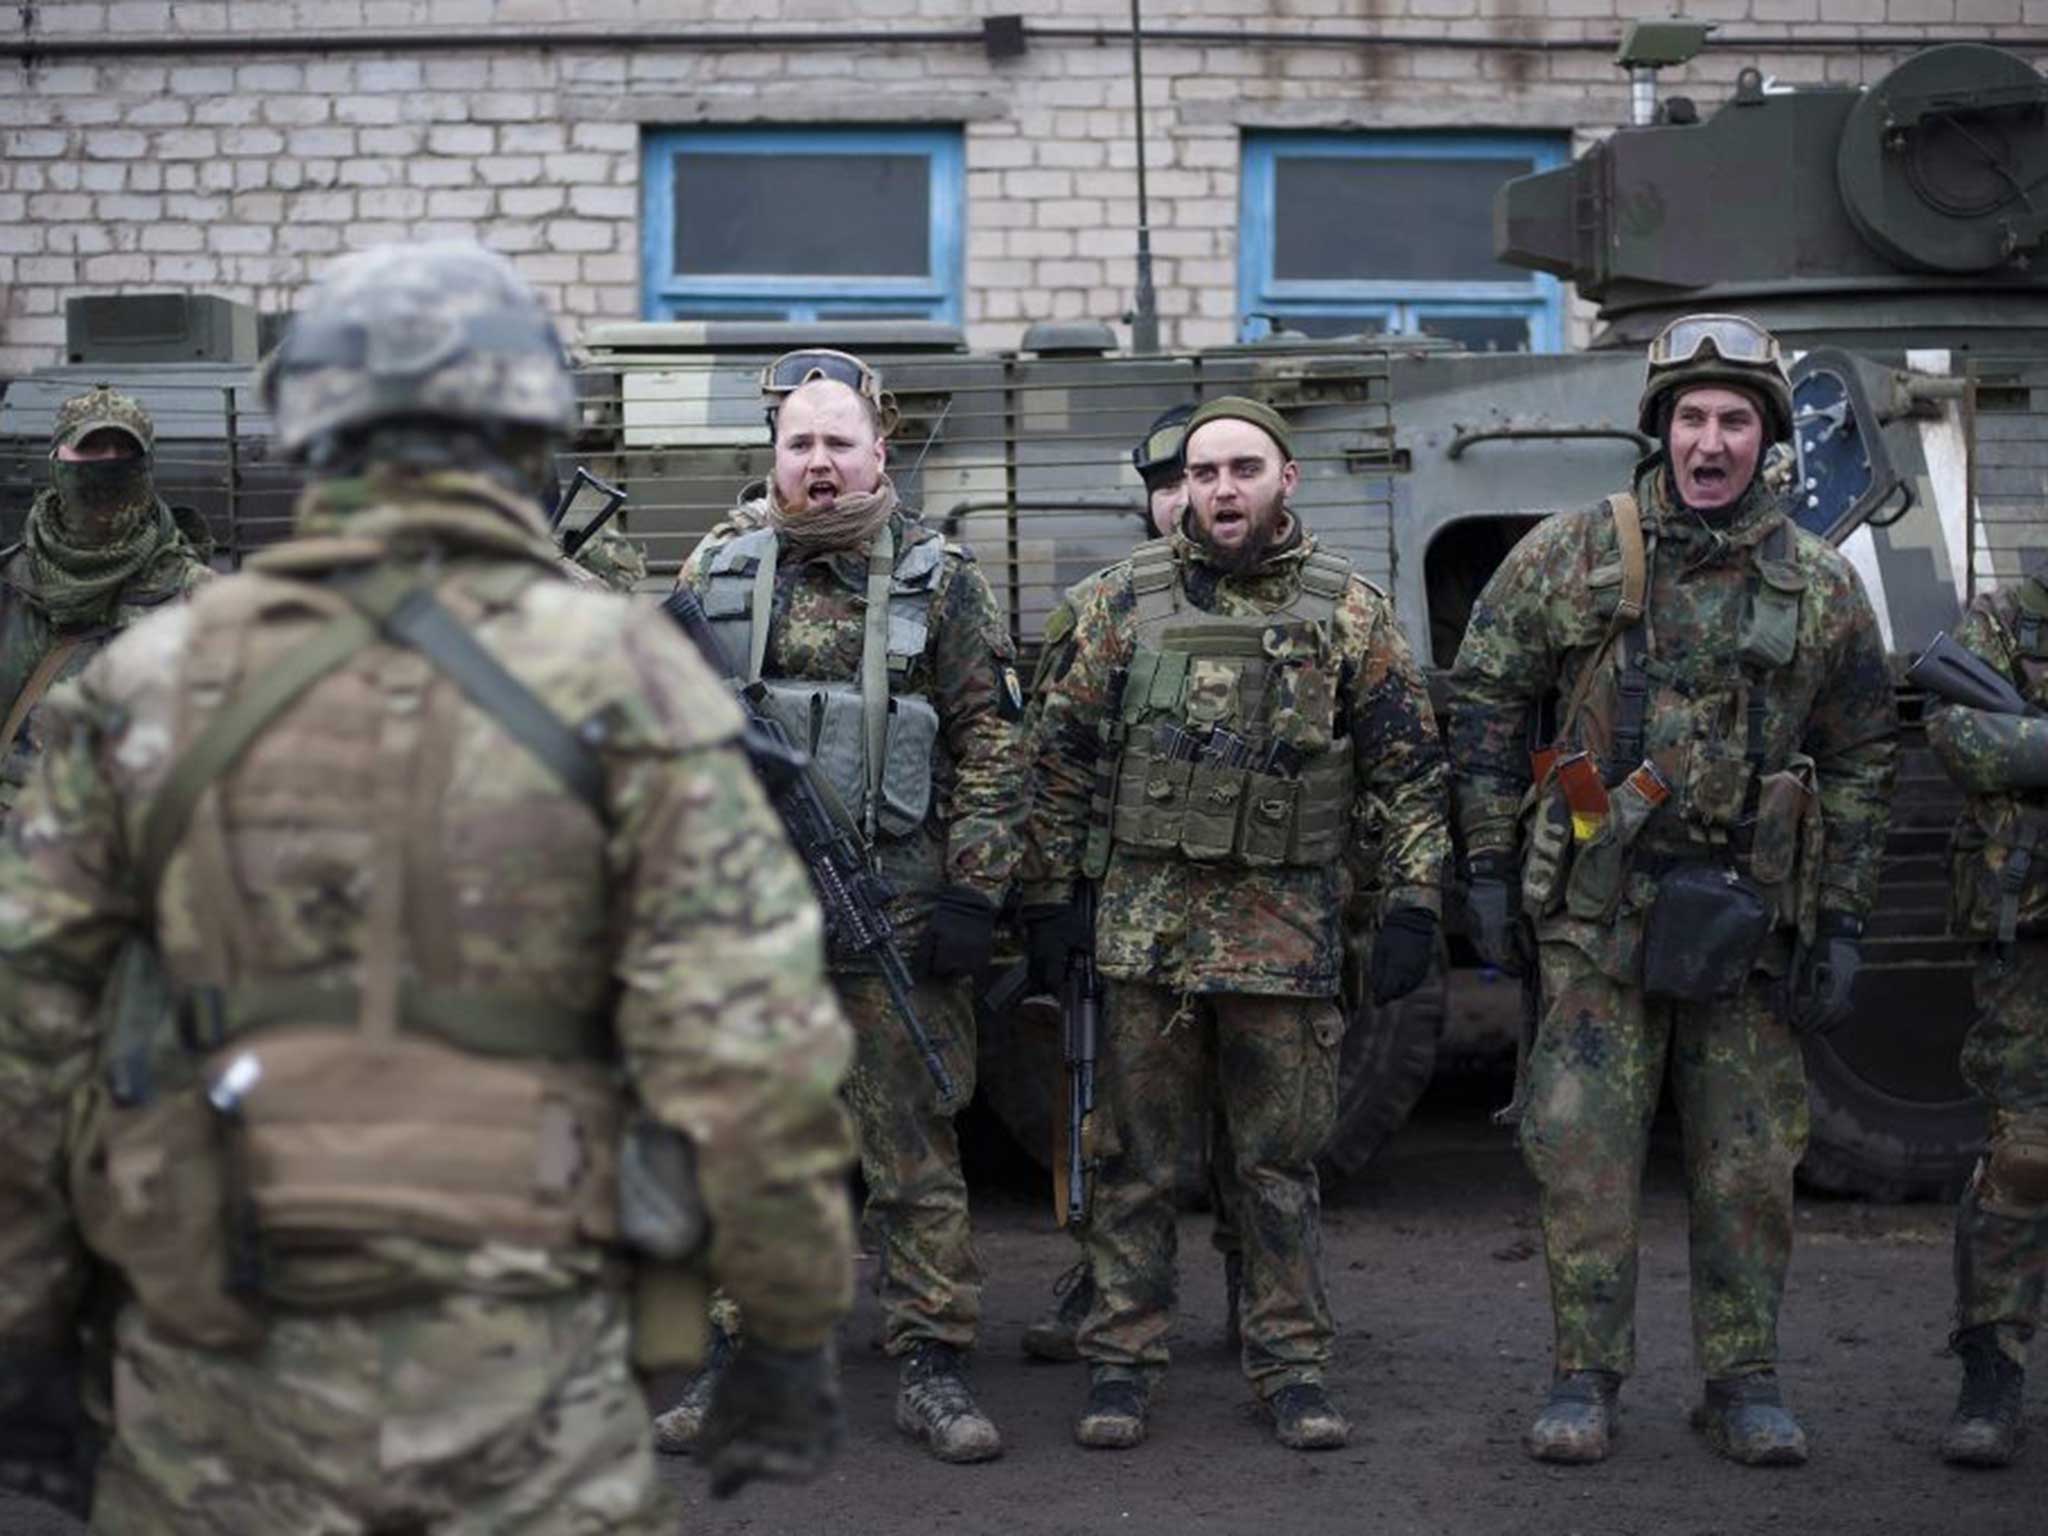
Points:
(967, 671)
(1205, 927)
(27, 636)
(384, 833)
(1542, 618)
(2008, 628)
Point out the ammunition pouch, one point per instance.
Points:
(1217, 813)
(1785, 845)
(1704, 935)
(828, 721)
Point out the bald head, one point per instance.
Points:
(828, 444)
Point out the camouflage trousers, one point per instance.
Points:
(2002, 1224)
(930, 1280)
(464, 1416)
(1740, 1087)
(1274, 1063)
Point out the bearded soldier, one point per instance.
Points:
(2001, 898)
(882, 650)
(100, 549)
(471, 937)
(1696, 842)
(1230, 692)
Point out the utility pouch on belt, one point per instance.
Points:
(661, 1218)
(1600, 870)
(1707, 925)
(1784, 850)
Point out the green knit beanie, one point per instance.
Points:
(1238, 408)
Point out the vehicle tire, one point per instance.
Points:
(1389, 1054)
(1892, 1118)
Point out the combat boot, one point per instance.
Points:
(1114, 1417)
(1985, 1431)
(1577, 1421)
(1233, 1300)
(1053, 1336)
(676, 1431)
(1746, 1420)
(1304, 1418)
(934, 1404)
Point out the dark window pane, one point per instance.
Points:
(803, 215)
(1365, 219)
(1480, 333)
(1363, 323)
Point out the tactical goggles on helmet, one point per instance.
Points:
(1161, 453)
(1734, 340)
(793, 370)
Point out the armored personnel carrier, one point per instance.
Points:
(1887, 233)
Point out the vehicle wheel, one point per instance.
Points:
(1389, 1054)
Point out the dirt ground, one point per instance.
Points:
(1437, 1281)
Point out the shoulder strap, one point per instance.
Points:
(33, 690)
(1628, 612)
(761, 607)
(390, 601)
(1154, 582)
(874, 668)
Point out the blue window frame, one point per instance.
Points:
(1344, 232)
(801, 223)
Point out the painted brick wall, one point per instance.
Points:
(242, 173)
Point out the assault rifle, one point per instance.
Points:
(852, 891)
(1958, 676)
(1080, 1036)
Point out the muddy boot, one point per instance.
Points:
(935, 1405)
(1577, 1421)
(676, 1431)
(1745, 1419)
(1985, 1431)
(1052, 1336)
(1304, 1418)
(1233, 1300)
(1114, 1417)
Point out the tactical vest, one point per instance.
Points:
(1229, 745)
(1767, 810)
(290, 1117)
(873, 745)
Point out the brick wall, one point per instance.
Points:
(242, 173)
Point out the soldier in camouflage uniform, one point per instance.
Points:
(99, 550)
(881, 646)
(1163, 471)
(2000, 870)
(449, 930)
(1228, 693)
(1740, 729)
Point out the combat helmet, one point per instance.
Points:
(1161, 454)
(103, 409)
(447, 332)
(1729, 350)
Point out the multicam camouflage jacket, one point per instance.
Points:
(967, 670)
(30, 640)
(1754, 603)
(1988, 755)
(383, 839)
(1223, 926)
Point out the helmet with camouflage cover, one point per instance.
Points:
(445, 332)
(102, 409)
(1731, 351)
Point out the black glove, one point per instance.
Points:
(1051, 934)
(1403, 953)
(960, 936)
(1823, 976)
(48, 1447)
(775, 1414)
(1492, 905)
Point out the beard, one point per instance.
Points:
(1269, 524)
